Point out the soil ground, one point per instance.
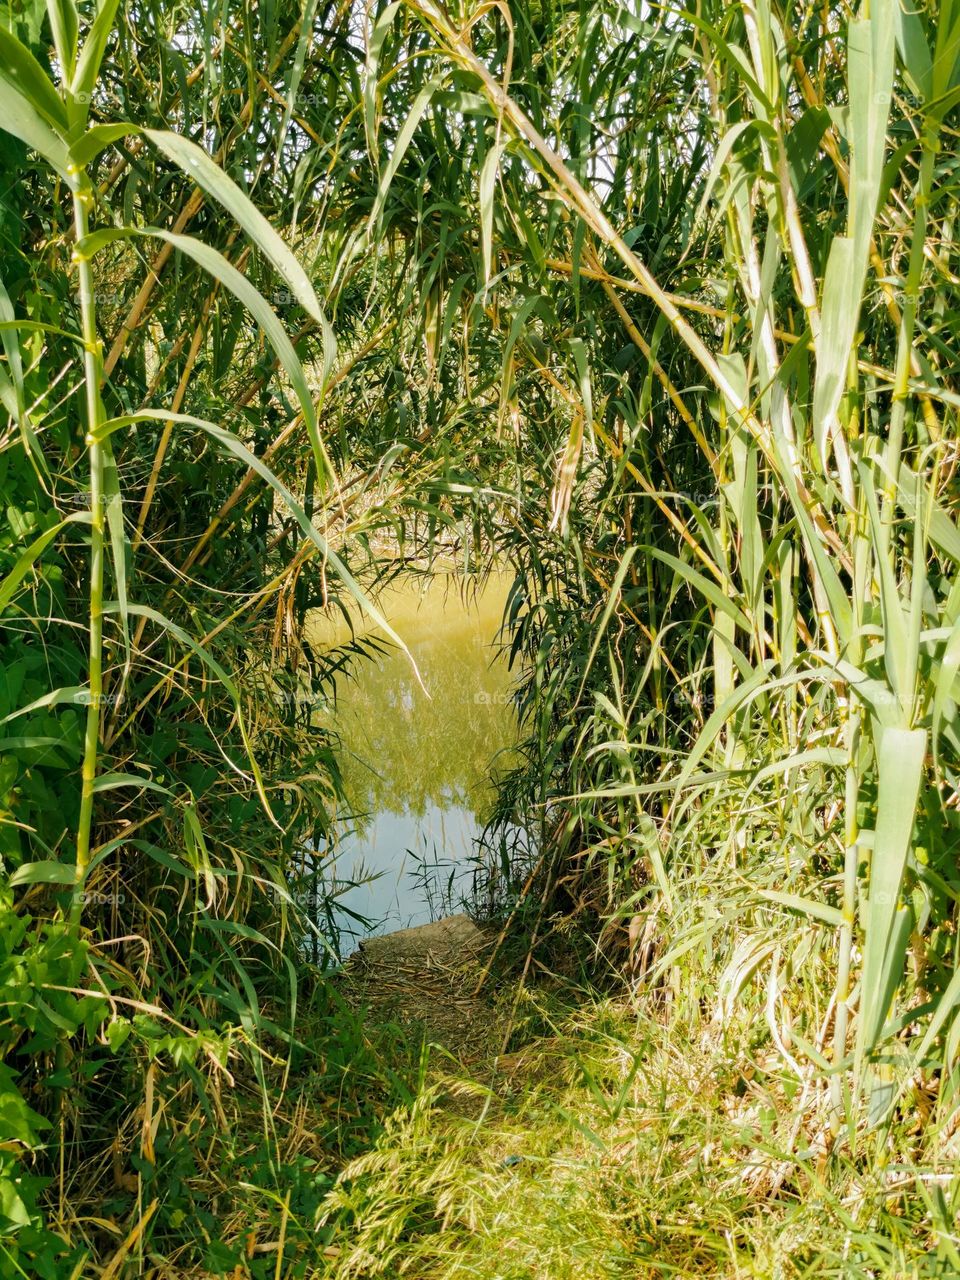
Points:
(425, 981)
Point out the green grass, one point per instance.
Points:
(627, 1143)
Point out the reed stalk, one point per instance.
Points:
(93, 375)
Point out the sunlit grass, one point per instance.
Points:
(628, 1143)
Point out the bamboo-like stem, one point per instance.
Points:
(901, 384)
(848, 908)
(93, 375)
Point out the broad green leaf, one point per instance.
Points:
(488, 179)
(208, 175)
(840, 313)
(11, 346)
(914, 51)
(882, 701)
(217, 266)
(91, 143)
(27, 102)
(256, 304)
(840, 611)
(114, 781)
(12, 390)
(26, 561)
(806, 906)
(64, 25)
(22, 72)
(899, 654)
(948, 668)
(946, 52)
(31, 742)
(91, 55)
(76, 694)
(900, 757)
(119, 543)
(941, 528)
(581, 360)
(870, 68)
(833, 757)
(723, 153)
(524, 312)
(44, 873)
(709, 590)
(196, 846)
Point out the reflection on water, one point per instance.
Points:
(416, 767)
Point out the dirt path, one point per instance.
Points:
(425, 980)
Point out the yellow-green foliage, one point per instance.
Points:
(632, 1144)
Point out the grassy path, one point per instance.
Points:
(613, 1139)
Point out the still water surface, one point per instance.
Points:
(417, 768)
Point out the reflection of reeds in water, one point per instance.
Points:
(435, 879)
(404, 750)
(417, 767)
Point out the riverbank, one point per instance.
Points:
(429, 981)
(622, 1134)
(616, 1139)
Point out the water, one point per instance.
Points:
(417, 768)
